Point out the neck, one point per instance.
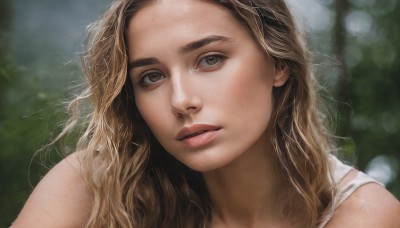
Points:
(247, 190)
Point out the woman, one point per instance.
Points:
(204, 115)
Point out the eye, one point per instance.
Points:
(210, 59)
(150, 78)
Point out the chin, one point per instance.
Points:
(206, 164)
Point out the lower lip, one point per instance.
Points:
(200, 140)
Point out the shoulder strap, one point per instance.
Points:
(339, 172)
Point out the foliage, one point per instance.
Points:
(374, 88)
(26, 121)
(29, 110)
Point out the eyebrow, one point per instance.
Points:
(201, 43)
(182, 50)
(142, 62)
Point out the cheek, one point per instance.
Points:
(151, 111)
(249, 88)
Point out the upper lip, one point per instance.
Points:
(194, 130)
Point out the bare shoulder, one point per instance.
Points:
(370, 206)
(61, 199)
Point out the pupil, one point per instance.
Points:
(154, 77)
(211, 60)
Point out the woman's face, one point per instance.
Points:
(201, 83)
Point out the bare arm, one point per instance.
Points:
(61, 199)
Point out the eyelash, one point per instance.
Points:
(220, 58)
(146, 75)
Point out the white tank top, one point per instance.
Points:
(343, 192)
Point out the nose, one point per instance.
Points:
(184, 101)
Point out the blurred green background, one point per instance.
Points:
(355, 43)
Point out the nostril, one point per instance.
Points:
(191, 109)
(185, 111)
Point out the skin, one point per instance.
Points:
(62, 199)
(188, 90)
(182, 88)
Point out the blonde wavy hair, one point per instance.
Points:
(136, 183)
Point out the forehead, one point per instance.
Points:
(181, 20)
(164, 13)
(168, 10)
